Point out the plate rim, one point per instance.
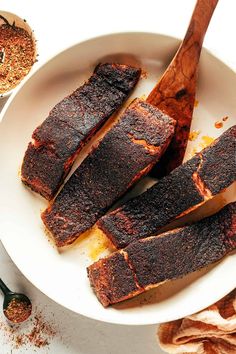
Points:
(53, 56)
(2, 115)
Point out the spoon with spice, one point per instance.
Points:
(17, 51)
(16, 307)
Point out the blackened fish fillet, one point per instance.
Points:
(188, 186)
(147, 263)
(72, 122)
(129, 149)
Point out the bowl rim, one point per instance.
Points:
(21, 23)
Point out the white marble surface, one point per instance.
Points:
(75, 334)
(58, 25)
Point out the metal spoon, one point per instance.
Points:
(15, 298)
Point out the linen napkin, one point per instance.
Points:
(211, 331)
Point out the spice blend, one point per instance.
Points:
(37, 333)
(18, 311)
(17, 55)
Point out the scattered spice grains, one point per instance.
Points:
(18, 311)
(37, 333)
(41, 332)
(17, 55)
(219, 124)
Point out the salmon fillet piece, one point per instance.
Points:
(128, 151)
(183, 190)
(71, 123)
(149, 262)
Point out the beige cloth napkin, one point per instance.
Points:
(211, 331)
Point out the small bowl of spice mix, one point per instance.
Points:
(17, 51)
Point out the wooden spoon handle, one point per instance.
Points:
(175, 92)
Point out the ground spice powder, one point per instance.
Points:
(18, 311)
(38, 332)
(17, 55)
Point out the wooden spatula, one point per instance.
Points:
(174, 94)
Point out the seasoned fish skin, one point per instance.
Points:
(187, 187)
(162, 258)
(71, 123)
(113, 279)
(128, 151)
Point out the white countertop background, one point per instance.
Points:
(57, 25)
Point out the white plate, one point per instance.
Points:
(63, 276)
